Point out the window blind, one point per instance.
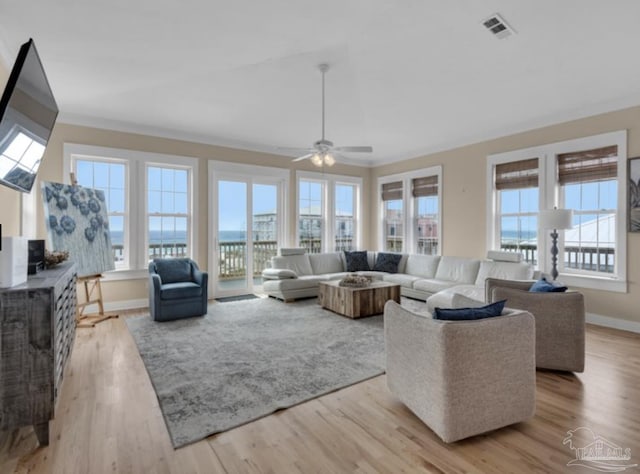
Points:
(591, 165)
(392, 191)
(427, 186)
(517, 174)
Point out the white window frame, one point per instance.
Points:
(136, 223)
(549, 195)
(189, 215)
(329, 182)
(409, 208)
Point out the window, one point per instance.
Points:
(516, 185)
(149, 201)
(109, 177)
(418, 210)
(328, 212)
(587, 175)
(425, 193)
(167, 212)
(589, 186)
(393, 218)
(345, 216)
(311, 215)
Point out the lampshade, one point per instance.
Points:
(317, 160)
(555, 219)
(329, 160)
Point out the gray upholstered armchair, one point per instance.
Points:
(177, 289)
(462, 378)
(560, 321)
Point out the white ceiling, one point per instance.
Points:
(408, 77)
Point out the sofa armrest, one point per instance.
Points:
(491, 283)
(200, 277)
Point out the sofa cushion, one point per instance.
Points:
(503, 271)
(278, 273)
(504, 256)
(180, 290)
(400, 279)
(173, 270)
(468, 314)
(322, 263)
(293, 251)
(298, 263)
(372, 274)
(335, 276)
(431, 285)
(309, 281)
(356, 261)
(458, 269)
(424, 266)
(450, 299)
(387, 262)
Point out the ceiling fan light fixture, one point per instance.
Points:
(329, 160)
(317, 160)
(321, 153)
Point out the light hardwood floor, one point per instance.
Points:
(108, 420)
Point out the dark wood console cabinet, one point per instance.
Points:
(37, 330)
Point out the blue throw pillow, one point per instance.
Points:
(357, 261)
(387, 262)
(543, 286)
(467, 314)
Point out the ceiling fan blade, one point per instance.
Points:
(354, 149)
(303, 157)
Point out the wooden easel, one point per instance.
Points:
(91, 283)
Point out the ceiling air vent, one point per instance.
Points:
(498, 27)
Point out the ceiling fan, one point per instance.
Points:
(323, 152)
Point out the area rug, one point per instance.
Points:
(228, 299)
(247, 359)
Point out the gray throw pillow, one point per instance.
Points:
(356, 261)
(387, 262)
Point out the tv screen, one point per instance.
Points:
(28, 112)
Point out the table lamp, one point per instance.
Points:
(555, 219)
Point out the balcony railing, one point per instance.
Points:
(155, 251)
(595, 259)
(314, 244)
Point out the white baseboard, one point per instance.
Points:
(614, 323)
(119, 305)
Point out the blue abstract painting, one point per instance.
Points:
(77, 221)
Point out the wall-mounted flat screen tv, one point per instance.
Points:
(28, 112)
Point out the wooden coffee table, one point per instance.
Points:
(357, 302)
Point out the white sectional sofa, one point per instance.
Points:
(437, 280)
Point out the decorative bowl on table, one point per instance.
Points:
(355, 281)
(51, 259)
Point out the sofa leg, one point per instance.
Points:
(289, 300)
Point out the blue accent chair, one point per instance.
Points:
(177, 289)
